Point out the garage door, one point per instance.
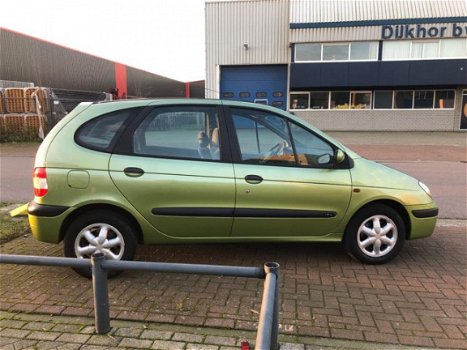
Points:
(260, 84)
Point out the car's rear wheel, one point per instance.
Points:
(375, 235)
(101, 231)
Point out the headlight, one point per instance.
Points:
(425, 188)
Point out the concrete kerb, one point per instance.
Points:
(42, 330)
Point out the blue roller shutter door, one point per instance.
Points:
(265, 84)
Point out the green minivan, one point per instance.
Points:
(114, 174)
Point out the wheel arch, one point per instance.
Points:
(96, 207)
(399, 208)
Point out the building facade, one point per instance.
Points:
(27, 59)
(344, 64)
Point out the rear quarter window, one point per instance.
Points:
(101, 132)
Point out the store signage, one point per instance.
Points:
(420, 31)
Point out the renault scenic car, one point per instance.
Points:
(112, 175)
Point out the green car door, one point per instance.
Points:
(287, 182)
(174, 174)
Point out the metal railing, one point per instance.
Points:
(268, 325)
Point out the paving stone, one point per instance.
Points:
(201, 347)
(8, 323)
(185, 337)
(212, 339)
(135, 343)
(107, 340)
(73, 338)
(128, 332)
(156, 334)
(168, 345)
(292, 346)
(39, 326)
(14, 333)
(45, 345)
(39, 335)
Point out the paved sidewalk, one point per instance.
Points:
(33, 331)
(419, 299)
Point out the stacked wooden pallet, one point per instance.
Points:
(23, 111)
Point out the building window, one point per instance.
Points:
(308, 52)
(340, 99)
(299, 100)
(360, 100)
(322, 52)
(383, 100)
(423, 99)
(444, 99)
(244, 94)
(403, 100)
(335, 52)
(319, 100)
(363, 51)
(390, 99)
(426, 49)
(453, 48)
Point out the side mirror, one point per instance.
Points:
(340, 156)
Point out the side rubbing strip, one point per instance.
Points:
(216, 212)
(282, 213)
(244, 212)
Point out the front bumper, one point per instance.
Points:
(422, 220)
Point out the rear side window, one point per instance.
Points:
(187, 132)
(99, 133)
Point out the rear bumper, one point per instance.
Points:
(48, 211)
(46, 220)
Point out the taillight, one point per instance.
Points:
(39, 181)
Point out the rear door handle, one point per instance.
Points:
(133, 172)
(253, 179)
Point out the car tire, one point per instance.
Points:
(375, 235)
(117, 238)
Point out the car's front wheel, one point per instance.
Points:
(101, 231)
(375, 235)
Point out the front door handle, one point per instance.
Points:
(253, 179)
(133, 172)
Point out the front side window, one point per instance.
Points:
(100, 132)
(311, 150)
(263, 138)
(269, 139)
(179, 132)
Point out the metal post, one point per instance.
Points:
(268, 326)
(275, 315)
(101, 294)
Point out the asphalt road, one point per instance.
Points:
(443, 173)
